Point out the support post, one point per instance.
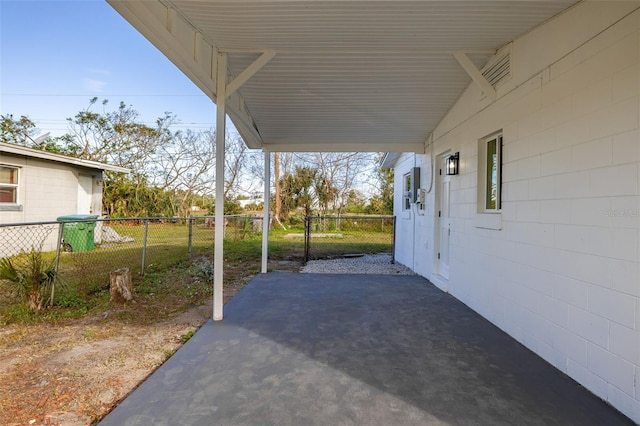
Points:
(265, 214)
(59, 247)
(57, 261)
(144, 245)
(221, 95)
(307, 237)
(190, 219)
(393, 242)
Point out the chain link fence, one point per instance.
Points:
(29, 236)
(337, 236)
(84, 252)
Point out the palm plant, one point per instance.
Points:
(33, 278)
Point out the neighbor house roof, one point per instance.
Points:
(335, 75)
(44, 155)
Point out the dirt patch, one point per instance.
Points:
(74, 373)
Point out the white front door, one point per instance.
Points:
(85, 194)
(443, 220)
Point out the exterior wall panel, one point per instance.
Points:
(562, 275)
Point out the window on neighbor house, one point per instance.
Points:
(8, 185)
(406, 190)
(490, 174)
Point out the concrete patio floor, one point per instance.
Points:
(321, 349)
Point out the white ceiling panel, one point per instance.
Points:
(347, 75)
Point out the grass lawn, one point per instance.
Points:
(170, 276)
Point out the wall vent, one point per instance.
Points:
(498, 69)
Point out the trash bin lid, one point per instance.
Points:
(75, 217)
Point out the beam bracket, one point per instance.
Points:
(475, 74)
(250, 71)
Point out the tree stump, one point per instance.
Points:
(120, 285)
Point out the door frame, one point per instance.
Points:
(440, 176)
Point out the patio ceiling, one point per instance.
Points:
(335, 75)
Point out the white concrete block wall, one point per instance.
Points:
(413, 221)
(51, 190)
(404, 219)
(562, 276)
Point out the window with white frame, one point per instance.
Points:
(406, 191)
(490, 174)
(8, 184)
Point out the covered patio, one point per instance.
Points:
(305, 349)
(362, 75)
(332, 76)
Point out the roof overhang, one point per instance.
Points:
(335, 75)
(44, 155)
(389, 160)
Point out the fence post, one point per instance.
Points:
(59, 246)
(144, 244)
(393, 243)
(307, 237)
(190, 219)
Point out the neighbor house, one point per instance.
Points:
(39, 186)
(525, 204)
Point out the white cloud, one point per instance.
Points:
(99, 71)
(93, 85)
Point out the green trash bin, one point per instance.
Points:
(77, 235)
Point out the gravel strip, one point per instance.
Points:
(366, 264)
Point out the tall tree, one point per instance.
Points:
(298, 191)
(117, 137)
(338, 173)
(235, 156)
(185, 167)
(19, 131)
(383, 200)
(179, 165)
(23, 132)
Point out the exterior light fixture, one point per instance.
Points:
(453, 162)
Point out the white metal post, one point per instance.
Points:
(221, 86)
(222, 92)
(265, 214)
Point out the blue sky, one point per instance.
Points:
(56, 55)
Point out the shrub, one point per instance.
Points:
(32, 276)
